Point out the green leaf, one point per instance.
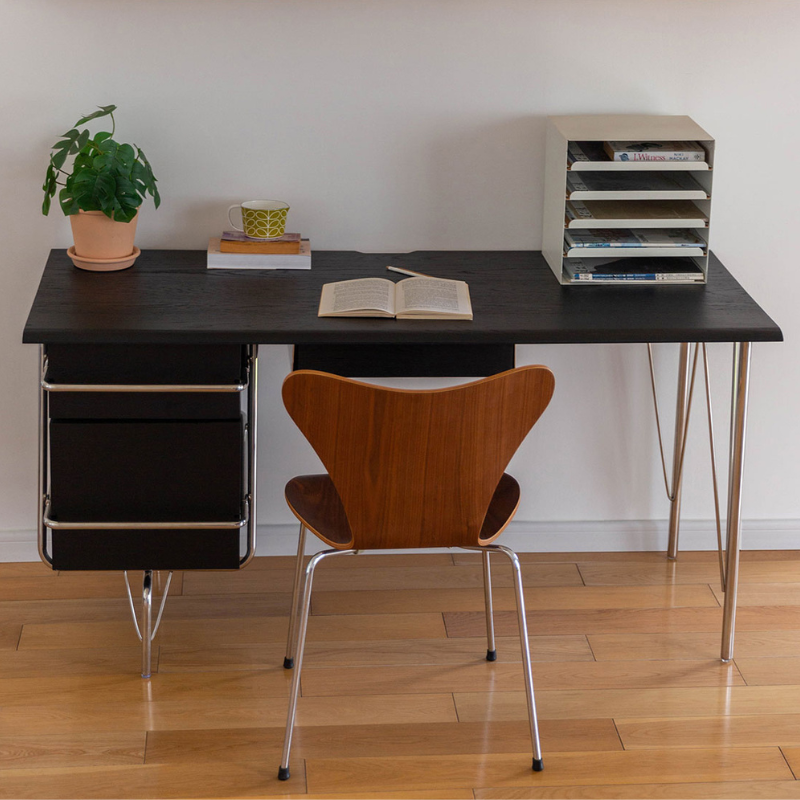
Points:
(103, 111)
(82, 139)
(69, 204)
(102, 136)
(126, 157)
(58, 159)
(49, 188)
(82, 161)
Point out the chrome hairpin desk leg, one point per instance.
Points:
(739, 393)
(681, 411)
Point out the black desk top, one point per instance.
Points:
(169, 296)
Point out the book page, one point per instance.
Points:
(364, 297)
(433, 297)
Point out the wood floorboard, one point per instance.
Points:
(493, 770)
(502, 677)
(661, 646)
(678, 572)
(253, 745)
(127, 686)
(556, 597)
(611, 620)
(728, 790)
(391, 652)
(69, 749)
(398, 700)
(9, 636)
(756, 730)
(642, 556)
(769, 671)
(719, 701)
(211, 780)
(764, 594)
(214, 633)
(385, 578)
(19, 569)
(51, 663)
(210, 712)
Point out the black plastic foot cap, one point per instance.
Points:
(491, 655)
(538, 766)
(283, 773)
(288, 663)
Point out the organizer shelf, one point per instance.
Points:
(568, 180)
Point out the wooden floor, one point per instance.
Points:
(398, 700)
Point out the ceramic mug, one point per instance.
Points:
(261, 219)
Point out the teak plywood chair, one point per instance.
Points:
(410, 469)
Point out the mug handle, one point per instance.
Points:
(235, 226)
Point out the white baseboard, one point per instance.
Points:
(543, 537)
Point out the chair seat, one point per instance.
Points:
(315, 502)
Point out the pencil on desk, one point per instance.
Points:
(409, 272)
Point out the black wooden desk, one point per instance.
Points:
(169, 297)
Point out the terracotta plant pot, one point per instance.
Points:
(98, 237)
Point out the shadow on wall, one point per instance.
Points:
(484, 186)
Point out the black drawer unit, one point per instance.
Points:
(146, 471)
(147, 460)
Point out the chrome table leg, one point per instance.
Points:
(681, 409)
(739, 396)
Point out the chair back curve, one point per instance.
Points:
(416, 468)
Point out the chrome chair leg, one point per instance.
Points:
(283, 771)
(288, 661)
(491, 649)
(537, 765)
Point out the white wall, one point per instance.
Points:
(418, 124)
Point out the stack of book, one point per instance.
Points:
(234, 250)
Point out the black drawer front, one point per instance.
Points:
(145, 363)
(143, 549)
(406, 360)
(153, 471)
(144, 406)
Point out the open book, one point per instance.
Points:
(412, 298)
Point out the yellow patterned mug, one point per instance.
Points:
(261, 219)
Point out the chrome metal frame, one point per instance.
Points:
(288, 661)
(739, 397)
(249, 471)
(682, 410)
(491, 647)
(283, 771)
(148, 631)
(729, 552)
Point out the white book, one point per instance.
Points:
(412, 298)
(219, 260)
(655, 151)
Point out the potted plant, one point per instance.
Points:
(100, 194)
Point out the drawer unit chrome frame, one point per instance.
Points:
(45, 523)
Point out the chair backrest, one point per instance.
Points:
(416, 468)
